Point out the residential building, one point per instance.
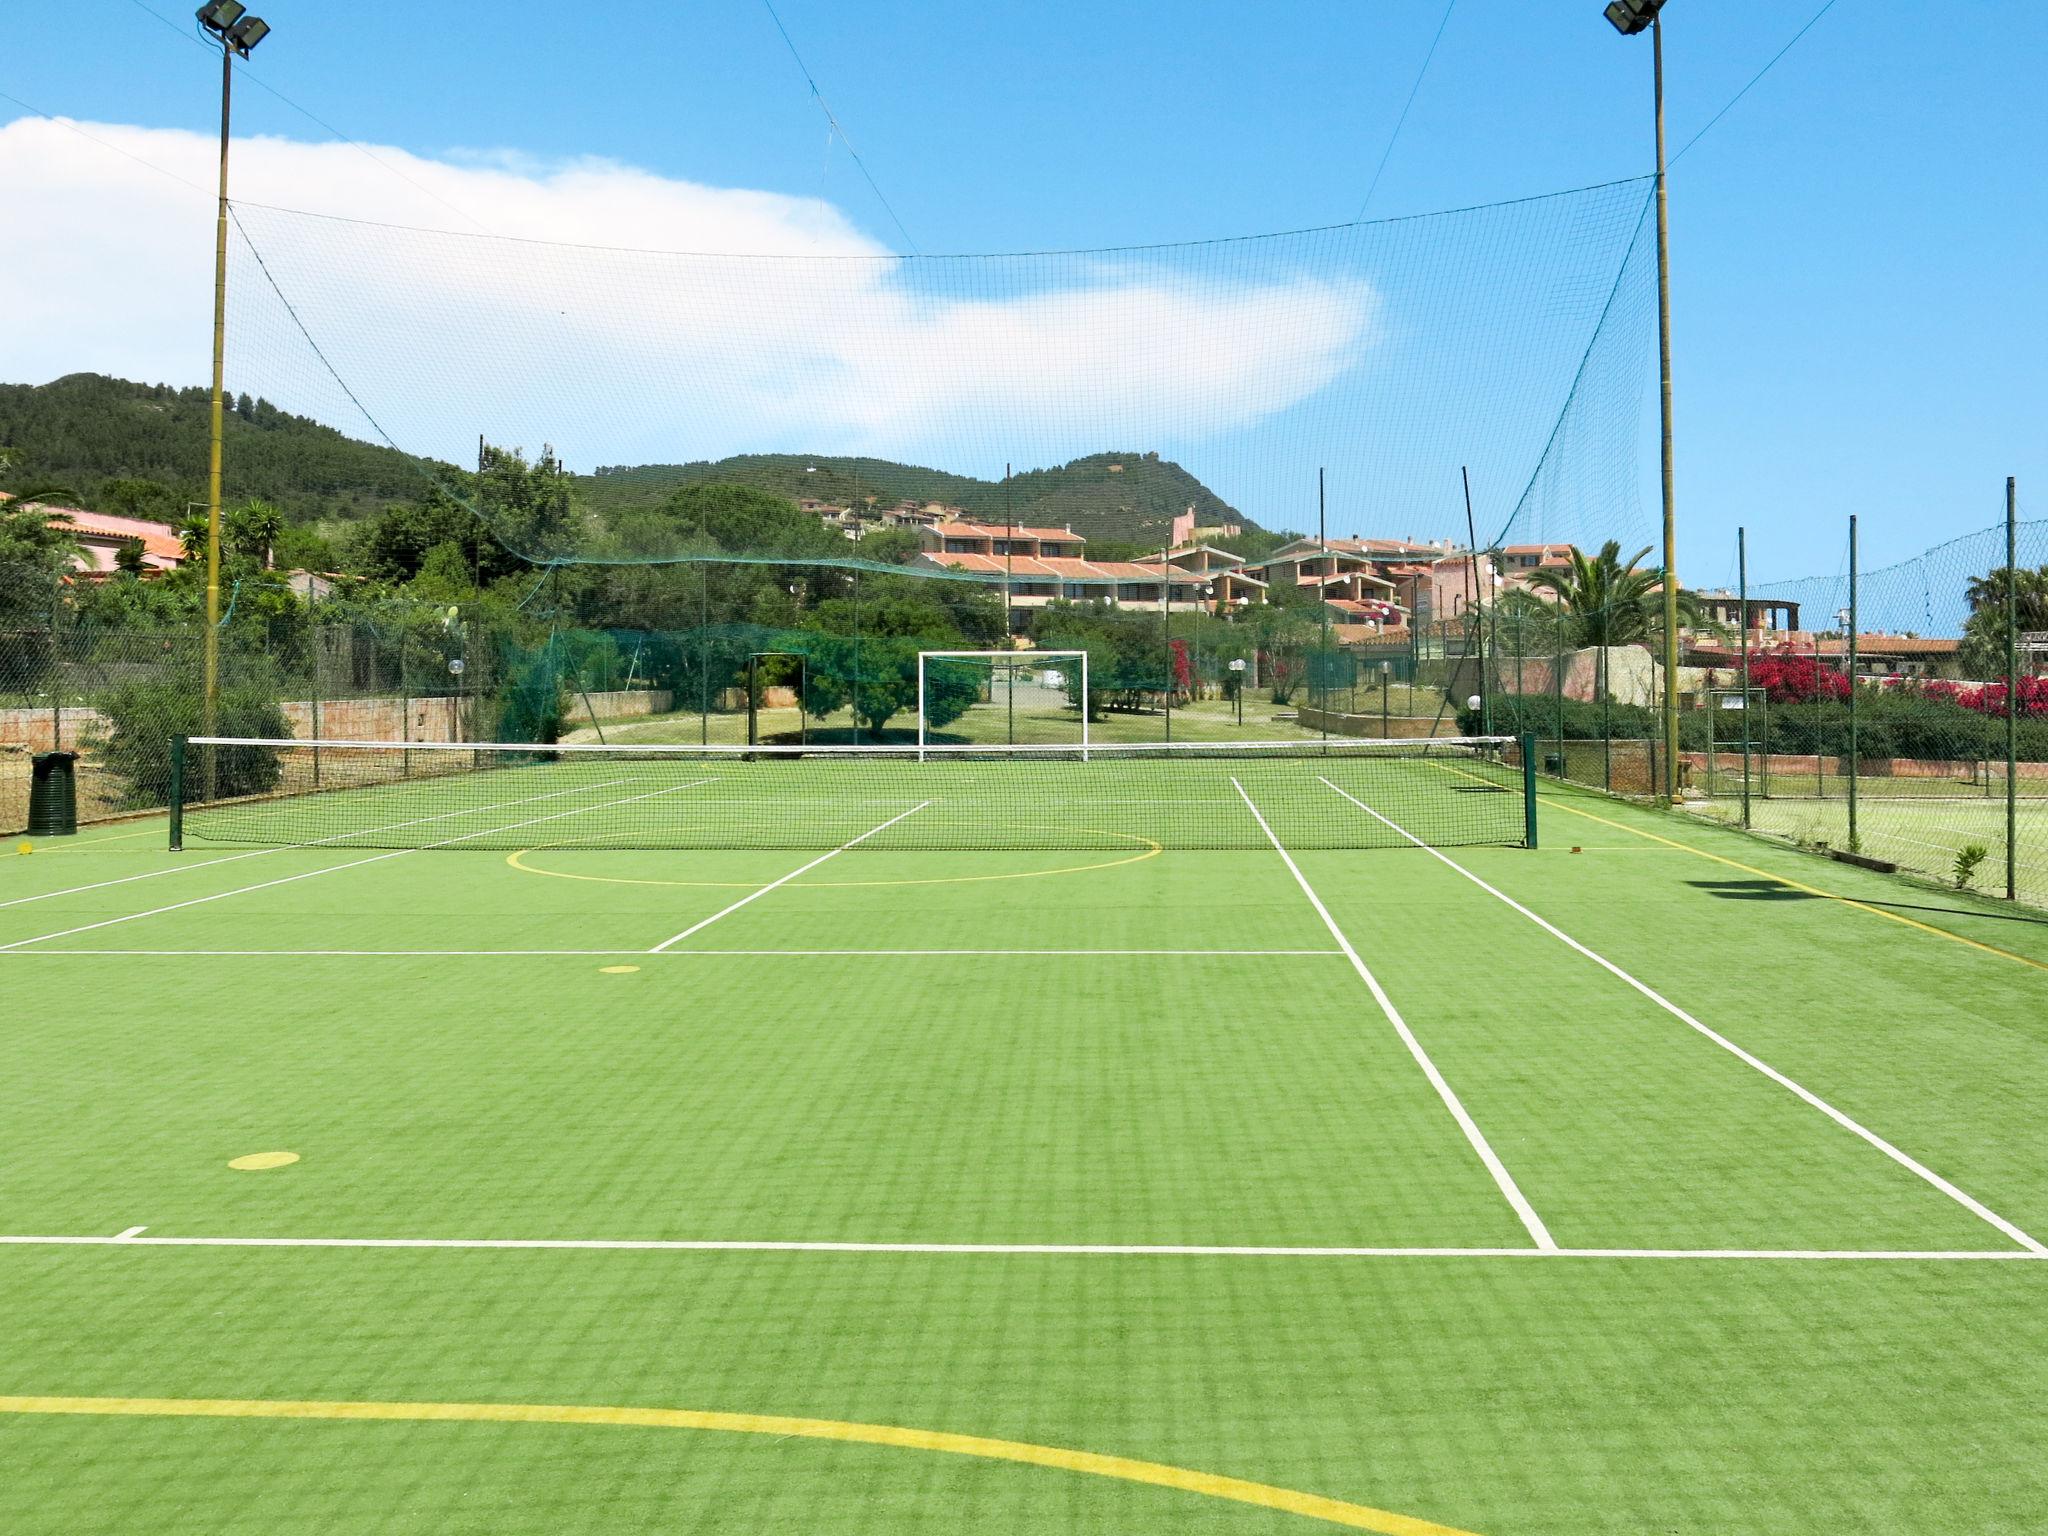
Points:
(101, 535)
(1047, 565)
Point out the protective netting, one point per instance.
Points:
(1513, 339)
(1935, 759)
(1342, 794)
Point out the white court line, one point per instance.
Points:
(673, 954)
(257, 853)
(1052, 1250)
(1911, 1165)
(375, 858)
(1539, 1233)
(122, 1237)
(755, 895)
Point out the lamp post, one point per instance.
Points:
(1237, 685)
(238, 32)
(1386, 674)
(1630, 17)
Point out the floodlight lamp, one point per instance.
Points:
(1633, 16)
(218, 15)
(247, 33)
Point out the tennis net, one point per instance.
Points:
(1184, 795)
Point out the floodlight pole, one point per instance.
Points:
(1664, 371)
(210, 709)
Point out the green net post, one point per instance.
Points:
(1742, 618)
(1855, 843)
(177, 793)
(2012, 686)
(1529, 788)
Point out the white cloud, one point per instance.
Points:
(626, 354)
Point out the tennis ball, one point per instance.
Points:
(24, 849)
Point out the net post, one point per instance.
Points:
(2012, 687)
(1855, 752)
(1529, 789)
(920, 706)
(177, 793)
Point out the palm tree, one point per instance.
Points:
(1983, 652)
(1613, 601)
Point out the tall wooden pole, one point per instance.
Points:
(1664, 369)
(210, 709)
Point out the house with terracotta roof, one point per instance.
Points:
(1043, 566)
(100, 537)
(1352, 590)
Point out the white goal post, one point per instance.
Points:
(1009, 658)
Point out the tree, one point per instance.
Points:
(1613, 601)
(890, 546)
(1983, 651)
(128, 557)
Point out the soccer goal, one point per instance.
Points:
(990, 698)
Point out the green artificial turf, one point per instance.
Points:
(778, 1077)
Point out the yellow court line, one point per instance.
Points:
(1800, 885)
(1358, 1517)
(1751, 869)
(1152, 850)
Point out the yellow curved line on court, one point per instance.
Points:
(1358, 1517)
(1151, 850)
(1800, 885)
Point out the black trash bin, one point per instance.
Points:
(53, 794)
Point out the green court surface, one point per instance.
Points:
(1655, 1180)
(1915, 827)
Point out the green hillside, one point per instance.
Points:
(1129, 496)
(141, 449)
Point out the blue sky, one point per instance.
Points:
(1860, 315)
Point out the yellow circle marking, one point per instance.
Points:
(617, 970)
(259, 1160)
(1312, 1506)
(1150, 850)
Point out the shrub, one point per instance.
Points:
(143, 717)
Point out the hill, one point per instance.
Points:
(141, 449)
(1124, 496)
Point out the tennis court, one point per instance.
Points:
(1218, 1142)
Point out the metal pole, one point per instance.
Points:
(853, 692)
(1477, 608)
(753, 702)
(1664, 368)
(56, 676)
(1386, 672)
(1323, 605)
(1606, 717)
(2012, 686)
(1855, 846)
(1009, 639)
(1166, 623)
(703, 654)
(210, 710)
(1742, 618)
(1528, 744)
